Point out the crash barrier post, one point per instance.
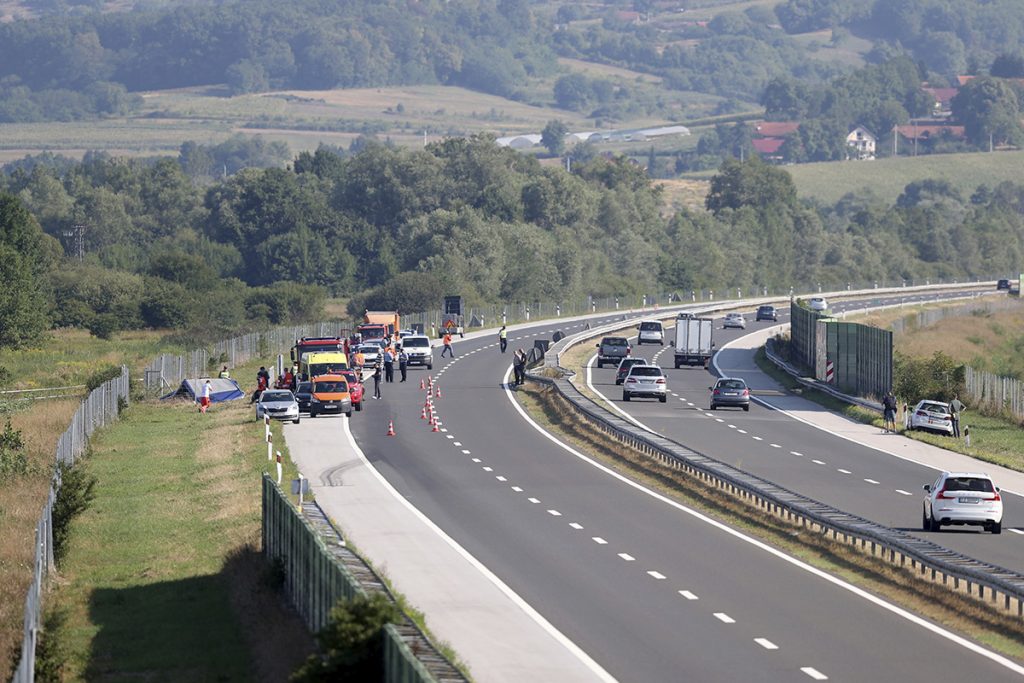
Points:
(100, 408)
(318, 570)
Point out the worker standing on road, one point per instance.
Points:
(447, 340)
(224, 374)
(519, 367)
(360, 360)
(889, 412)
(378, 371)
(503, 338)
(956, 407)
(389, 365)
(403, 363)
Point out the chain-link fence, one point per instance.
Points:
(930, 316)
(100, 408)
(996, 393)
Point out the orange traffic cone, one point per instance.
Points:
(423, 413)
(431, 420)
(391, 427)
(436, 428)
(437, 391)
(422, 385)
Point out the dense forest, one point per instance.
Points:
(111, 244)
(72, 65)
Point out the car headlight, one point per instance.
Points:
(314, 399)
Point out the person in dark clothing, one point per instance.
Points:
(889, 412)
(519, 367)
(403, 363)
(389, 365)
(378, 371)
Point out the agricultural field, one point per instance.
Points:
(828, 182)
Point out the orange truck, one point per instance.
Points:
(379, 325)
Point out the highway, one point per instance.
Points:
(802, 458)
(652, 591)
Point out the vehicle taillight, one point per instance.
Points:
(661, 380)
(715, 392)
(942, 494)
(746, 392)
(921, 413)
(997, 496)
(631, 379)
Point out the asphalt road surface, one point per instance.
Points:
(650, 590)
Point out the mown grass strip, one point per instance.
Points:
(163, 579)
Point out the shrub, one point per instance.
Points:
(100, 376)
(937, 378)
(74, 497)
(351, 645)
(13, 458)
(104, 326)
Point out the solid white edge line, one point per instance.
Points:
(814, 571)
(590, 385)
(546, 625)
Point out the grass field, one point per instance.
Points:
(163, 578)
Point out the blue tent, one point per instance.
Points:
(220, 390)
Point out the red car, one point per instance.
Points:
(355, 388)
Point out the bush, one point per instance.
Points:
(5, 376)
(351, 645)
(100, 376)
(13, 458)
(938, 378)
(104, 325)
(74, 497)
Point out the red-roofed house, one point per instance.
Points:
(928, 131)
(775, 129)
(768, 148)
(942, 98)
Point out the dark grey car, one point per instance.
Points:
(730, 391)
(612, 350)
(303, 394)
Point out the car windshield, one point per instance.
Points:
(731, 384)
(351, 377)
(935, 407)
(646, 327)
(767, 309)
(734, 315)
(615, 341)
(969, 484)
(304, 387)
(410, 342)
(646, 371)
(269, 396)
(630, 362)
(370, 348)
(335, 387)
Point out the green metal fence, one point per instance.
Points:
(861, 357)
(802, 333)
(316, 578)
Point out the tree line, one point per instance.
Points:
(110, 244)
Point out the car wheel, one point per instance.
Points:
(600, 364)
(312, 413)
(997, 528)
(926, 524)
(430, 366)
(359, 406)
(746, 408)
(714, 407)
(296, 420)
(618, 382)
(663, 399)
(349, 414)
(625, 396)
(936, 525)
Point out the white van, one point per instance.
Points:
(651, 332)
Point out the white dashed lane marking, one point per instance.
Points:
(517, 489)
(775, 445)
(814, 673)
(688, 595)
(766, 644)
(576, 525)
(818, 462)
(724, 618)
(904, 493)
(656, 575)
(476, 460)
(627, 557)
(742, 431)
(533, 500)
(871, 481)
(501, 478)
(757, 438)
(457, 443)
(842, 471)
(797, 454)
(465, 452)
(598, 540)
(488, 469)
(554, 513)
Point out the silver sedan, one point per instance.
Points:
(734, 320)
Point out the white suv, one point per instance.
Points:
(963, 498)
(645, 380)
(418, 348)
(651, 332)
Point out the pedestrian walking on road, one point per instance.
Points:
(403, 363)
(378, 371)
(503, 338)
(204, 399)
(956, 407)
(889, 412)
(389, 365)
(447, 341)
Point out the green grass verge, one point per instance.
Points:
(163, 580)
(995, 440)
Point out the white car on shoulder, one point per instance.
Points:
(959, 498)
(932, 416)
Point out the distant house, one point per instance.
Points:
(929, 131)
(942, 100)
(768, 148)
(860, 144)
(775, 129)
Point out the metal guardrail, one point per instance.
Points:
(99, 408)
(996, 586)
(319, 570)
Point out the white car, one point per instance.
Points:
(418, 348)
(645, 380)
(734, 320)
(963, 498)
(933, 416)
(651, 332)
(370, 353)
(818, 303)
(278, 404)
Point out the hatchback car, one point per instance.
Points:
(355, 388)
(612, 350)
(963, 498)
(651, 332)
(303, 393)
(645, 380)
(730, 391)
(330, 396)
(624, 365)
(278, 404)
(767, 313)
(818, 303)
(932, 416)
(734, 320)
